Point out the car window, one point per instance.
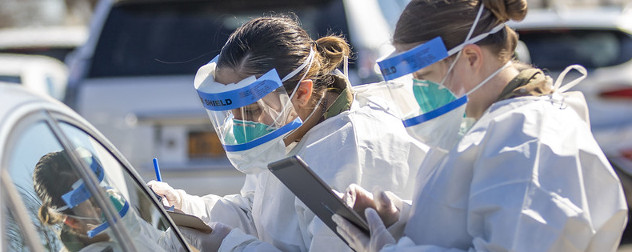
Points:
(42, 190)
(61, 205)
(557, 48)
(144, 220)
(178, 38)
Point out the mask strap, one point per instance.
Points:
(310, 57)
(308, 63)
(345, 68)
(558, 82)
(469, 34)
(489, 78)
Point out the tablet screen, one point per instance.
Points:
(314, 193)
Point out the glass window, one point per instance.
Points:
(558, 48)
(177, 38)
(61, 205)
(42, 174)
(151, 230)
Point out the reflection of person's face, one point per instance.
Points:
(88, 217)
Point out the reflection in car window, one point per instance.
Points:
(151, 231)
(41, 190)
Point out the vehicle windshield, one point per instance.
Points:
(176, 39)
(556, 49)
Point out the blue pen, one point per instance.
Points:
(157, 170)
(159, 178)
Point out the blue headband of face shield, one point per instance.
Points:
(424, 55)
(80, 193)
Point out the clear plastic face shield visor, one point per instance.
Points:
(432, 103)
(248, 113)
(79, 204)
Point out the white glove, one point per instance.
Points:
(360, 199)
(205, 241)
(170, 196)
(359, 241)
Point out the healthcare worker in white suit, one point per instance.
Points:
(273, 92)
(523, 174)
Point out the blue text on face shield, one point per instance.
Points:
(414, 59)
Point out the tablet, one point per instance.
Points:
(314, 192)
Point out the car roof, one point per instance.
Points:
(43, 37)
(608, 17)
(16, 63)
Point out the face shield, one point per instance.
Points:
(439, 111)
(80, 205)
(248, 113)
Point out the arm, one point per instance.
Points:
(231, 210)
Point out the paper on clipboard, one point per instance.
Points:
(190, 221)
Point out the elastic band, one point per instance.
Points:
(309, 60)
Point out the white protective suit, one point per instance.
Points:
(528, 176)
(366, 145)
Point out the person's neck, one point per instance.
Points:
(486, 95)
(298, 134)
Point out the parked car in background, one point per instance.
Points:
(51, 41)
(600, 39)
(33, 126)
(42, 74)
(133, 78)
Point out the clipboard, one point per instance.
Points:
(190, 221)
(315, 193)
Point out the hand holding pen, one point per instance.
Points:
(160, 188)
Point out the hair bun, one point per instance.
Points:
(332, 49)
(506, 10)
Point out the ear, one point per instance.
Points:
(473, 55)
(303, 93)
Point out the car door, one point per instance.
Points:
(73, 192)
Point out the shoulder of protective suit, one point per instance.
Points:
(528, 117)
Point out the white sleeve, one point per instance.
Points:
(316, 234)
(237, 240)
(233, 210)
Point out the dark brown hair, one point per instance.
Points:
(53, 176)
(279, 42)
(451, 20)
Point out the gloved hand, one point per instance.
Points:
(360, 199)
(170, 196)
(359, 241)
(205, 241)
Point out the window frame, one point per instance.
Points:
(57, 117)
(14, 201)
